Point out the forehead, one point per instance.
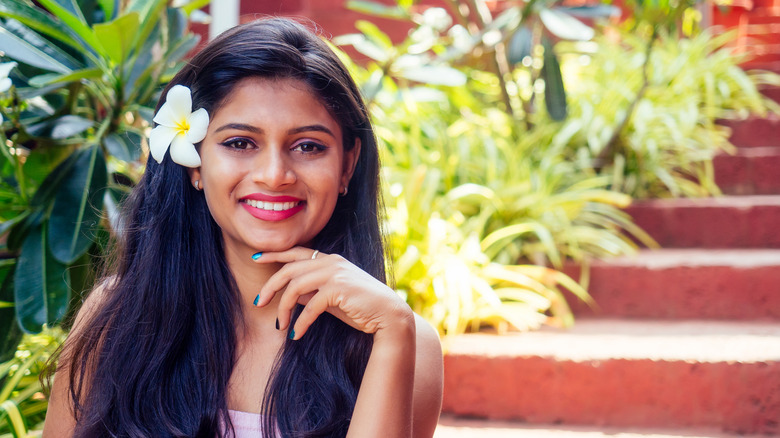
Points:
(270, 99)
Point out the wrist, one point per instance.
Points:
(400, 328)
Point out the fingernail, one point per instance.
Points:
(292, 334)
(257, 299)
(257, 255)
(277, 323)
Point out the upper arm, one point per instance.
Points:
(60, 421)
(428, 380)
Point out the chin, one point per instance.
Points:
(267, 246)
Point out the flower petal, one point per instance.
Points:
(199, 124)
(5, 84)
(177, 106)
(159, 140)
(180, 99)
(183, 152)
(5, 68)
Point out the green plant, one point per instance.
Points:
(22, 403)
(650, 123)
(471, 194)
(71, 140)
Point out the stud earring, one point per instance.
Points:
(345, 192)
(197, 184)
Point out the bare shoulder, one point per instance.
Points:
(428, 379)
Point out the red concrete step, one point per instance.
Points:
(751, 171)
(755, 131)
(460, 427)
(723, 222)
(686, 283)
(622, 374)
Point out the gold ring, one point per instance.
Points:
(314, 255)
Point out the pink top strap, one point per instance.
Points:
(246, 424)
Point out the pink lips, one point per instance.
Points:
(271, 215)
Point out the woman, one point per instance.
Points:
(249, 296)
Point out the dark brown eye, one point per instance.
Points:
(237, 143)
(309, 147)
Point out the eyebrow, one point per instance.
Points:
(256, 130)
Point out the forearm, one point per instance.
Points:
(384, 403)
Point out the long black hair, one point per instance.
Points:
(156, 357)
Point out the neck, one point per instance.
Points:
(250, 278)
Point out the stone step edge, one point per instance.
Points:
(726, 201)
(666, 258)
(451, 426)
(698, 341)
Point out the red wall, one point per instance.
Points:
(758, 24)
(757, 21)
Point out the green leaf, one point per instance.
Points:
(54, 78)
(21, 230)
(565, 26)
(109, 7)
(520, 45)
(117, 36)
(78, 205)
(10, 333)
(194, 5)
(49, 186)
(125, 146)
(554, 93)
(177, 24)
(70, 14)
(378, 10)
(11, 410)
(364, 45)
(41, 288)
(37, 20)
(7, 225)
(150, 13)
(434, 75)
(373, 32)
(29, 53)
(61, 127)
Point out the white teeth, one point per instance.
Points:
(271, 206)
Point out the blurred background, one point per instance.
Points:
(582, 197)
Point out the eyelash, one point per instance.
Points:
(231, 143)
(318, 147)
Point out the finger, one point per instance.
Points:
(316, 306)
(298, 287)
(282, 277)
(293, 254)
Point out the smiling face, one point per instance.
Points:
(273, 165)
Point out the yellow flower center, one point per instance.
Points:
(182, 127)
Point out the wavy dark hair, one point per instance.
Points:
(155, 357)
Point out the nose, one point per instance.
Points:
(272, 169)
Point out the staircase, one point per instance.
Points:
(686, 340)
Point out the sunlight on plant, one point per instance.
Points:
(22, 402)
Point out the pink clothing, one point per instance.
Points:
(246, 424)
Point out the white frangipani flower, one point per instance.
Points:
(178, 127)
(5, 70)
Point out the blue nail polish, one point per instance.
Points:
(257, 255)
(257, 299)
(292, 334)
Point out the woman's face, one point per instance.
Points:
(273, 165)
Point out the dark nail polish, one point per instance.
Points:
(292, 334)
(257, 255)
(257, 299)
(277, 323)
